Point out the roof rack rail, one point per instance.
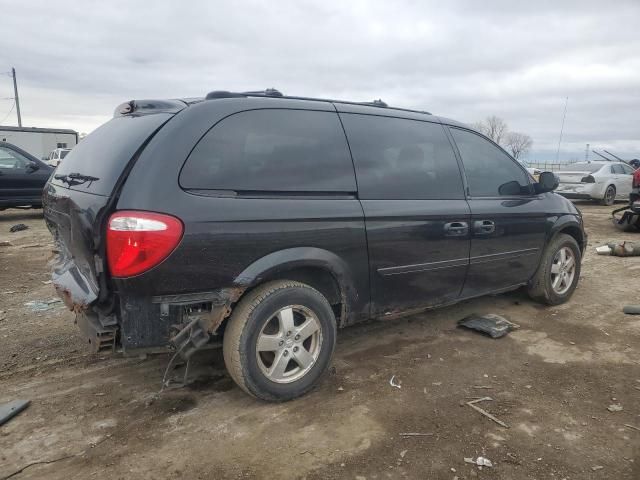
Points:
(273, 93)
(269, 92)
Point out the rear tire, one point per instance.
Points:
(557, 276)
(279, 340)
(609, 196)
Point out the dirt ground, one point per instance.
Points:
(551, 381)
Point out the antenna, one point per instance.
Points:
(564, 115)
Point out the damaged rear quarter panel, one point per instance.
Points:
(71, 217)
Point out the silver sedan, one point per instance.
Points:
(602, 181)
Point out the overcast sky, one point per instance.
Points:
(77, 60)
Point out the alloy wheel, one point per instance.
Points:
(563, 270)
(289, 344)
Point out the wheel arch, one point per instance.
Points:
(571, 227)
(321, 269)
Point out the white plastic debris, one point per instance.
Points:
(603, 250)
(480, 461)
(483, 462)
(393, 383)
(616, 407)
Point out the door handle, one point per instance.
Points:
(484, 227)
(456, 229)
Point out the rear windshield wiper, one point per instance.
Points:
(75, 178)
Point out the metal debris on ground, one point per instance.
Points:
(491, 324)
(480, 461)
(632, 427)
(616, 407)
(619, 249)
(42, 306)
(415, 434)
(393, 382)
(18, 228)
(11, 409)
(484, 412)
(631, 309)
(597, 467)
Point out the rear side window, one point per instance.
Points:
(105, 153)
(402, 159)
(12, 162)
(272, 151)
(490, 171)
(627, 169)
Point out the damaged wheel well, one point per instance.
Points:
(317, 277)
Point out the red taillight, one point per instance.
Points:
(588, 179)
(138, 241)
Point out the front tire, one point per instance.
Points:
(279, 340)
(609, 196)
(557, 276)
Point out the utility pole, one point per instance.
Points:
(564, 115)
(16, 98)
(586, 153)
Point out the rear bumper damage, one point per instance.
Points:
(185, 322)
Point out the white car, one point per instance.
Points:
(602, 181)
(56, 156)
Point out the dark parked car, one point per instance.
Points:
(267, 222)
(22, 177)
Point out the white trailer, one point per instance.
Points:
(39, 142)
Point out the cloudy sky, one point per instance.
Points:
(77, 60)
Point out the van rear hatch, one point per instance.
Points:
(81, 193)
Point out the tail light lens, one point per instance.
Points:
(588, 179)
(138, 241)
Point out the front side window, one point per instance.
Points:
(272, 151)
(399, 159)
(617, 169)
(627, 169)
(12, 161)
(490, 171)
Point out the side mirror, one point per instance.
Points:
(548, 182)
(32, 167)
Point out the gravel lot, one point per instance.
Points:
(552, 381)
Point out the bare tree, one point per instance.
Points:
(493, 127)
(496, 129)
(518, 144)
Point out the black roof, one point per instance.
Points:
(175, 105)
(38, 130)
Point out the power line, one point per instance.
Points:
(8, 113)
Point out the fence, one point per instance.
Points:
(549, 166)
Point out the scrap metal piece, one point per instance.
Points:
(11, 409)
(191, 338)
(18, 228)
(484, 412)
(491, 324)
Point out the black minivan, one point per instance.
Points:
(266, 222)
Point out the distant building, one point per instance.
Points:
(39, 142)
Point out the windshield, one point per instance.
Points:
(581, 167)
